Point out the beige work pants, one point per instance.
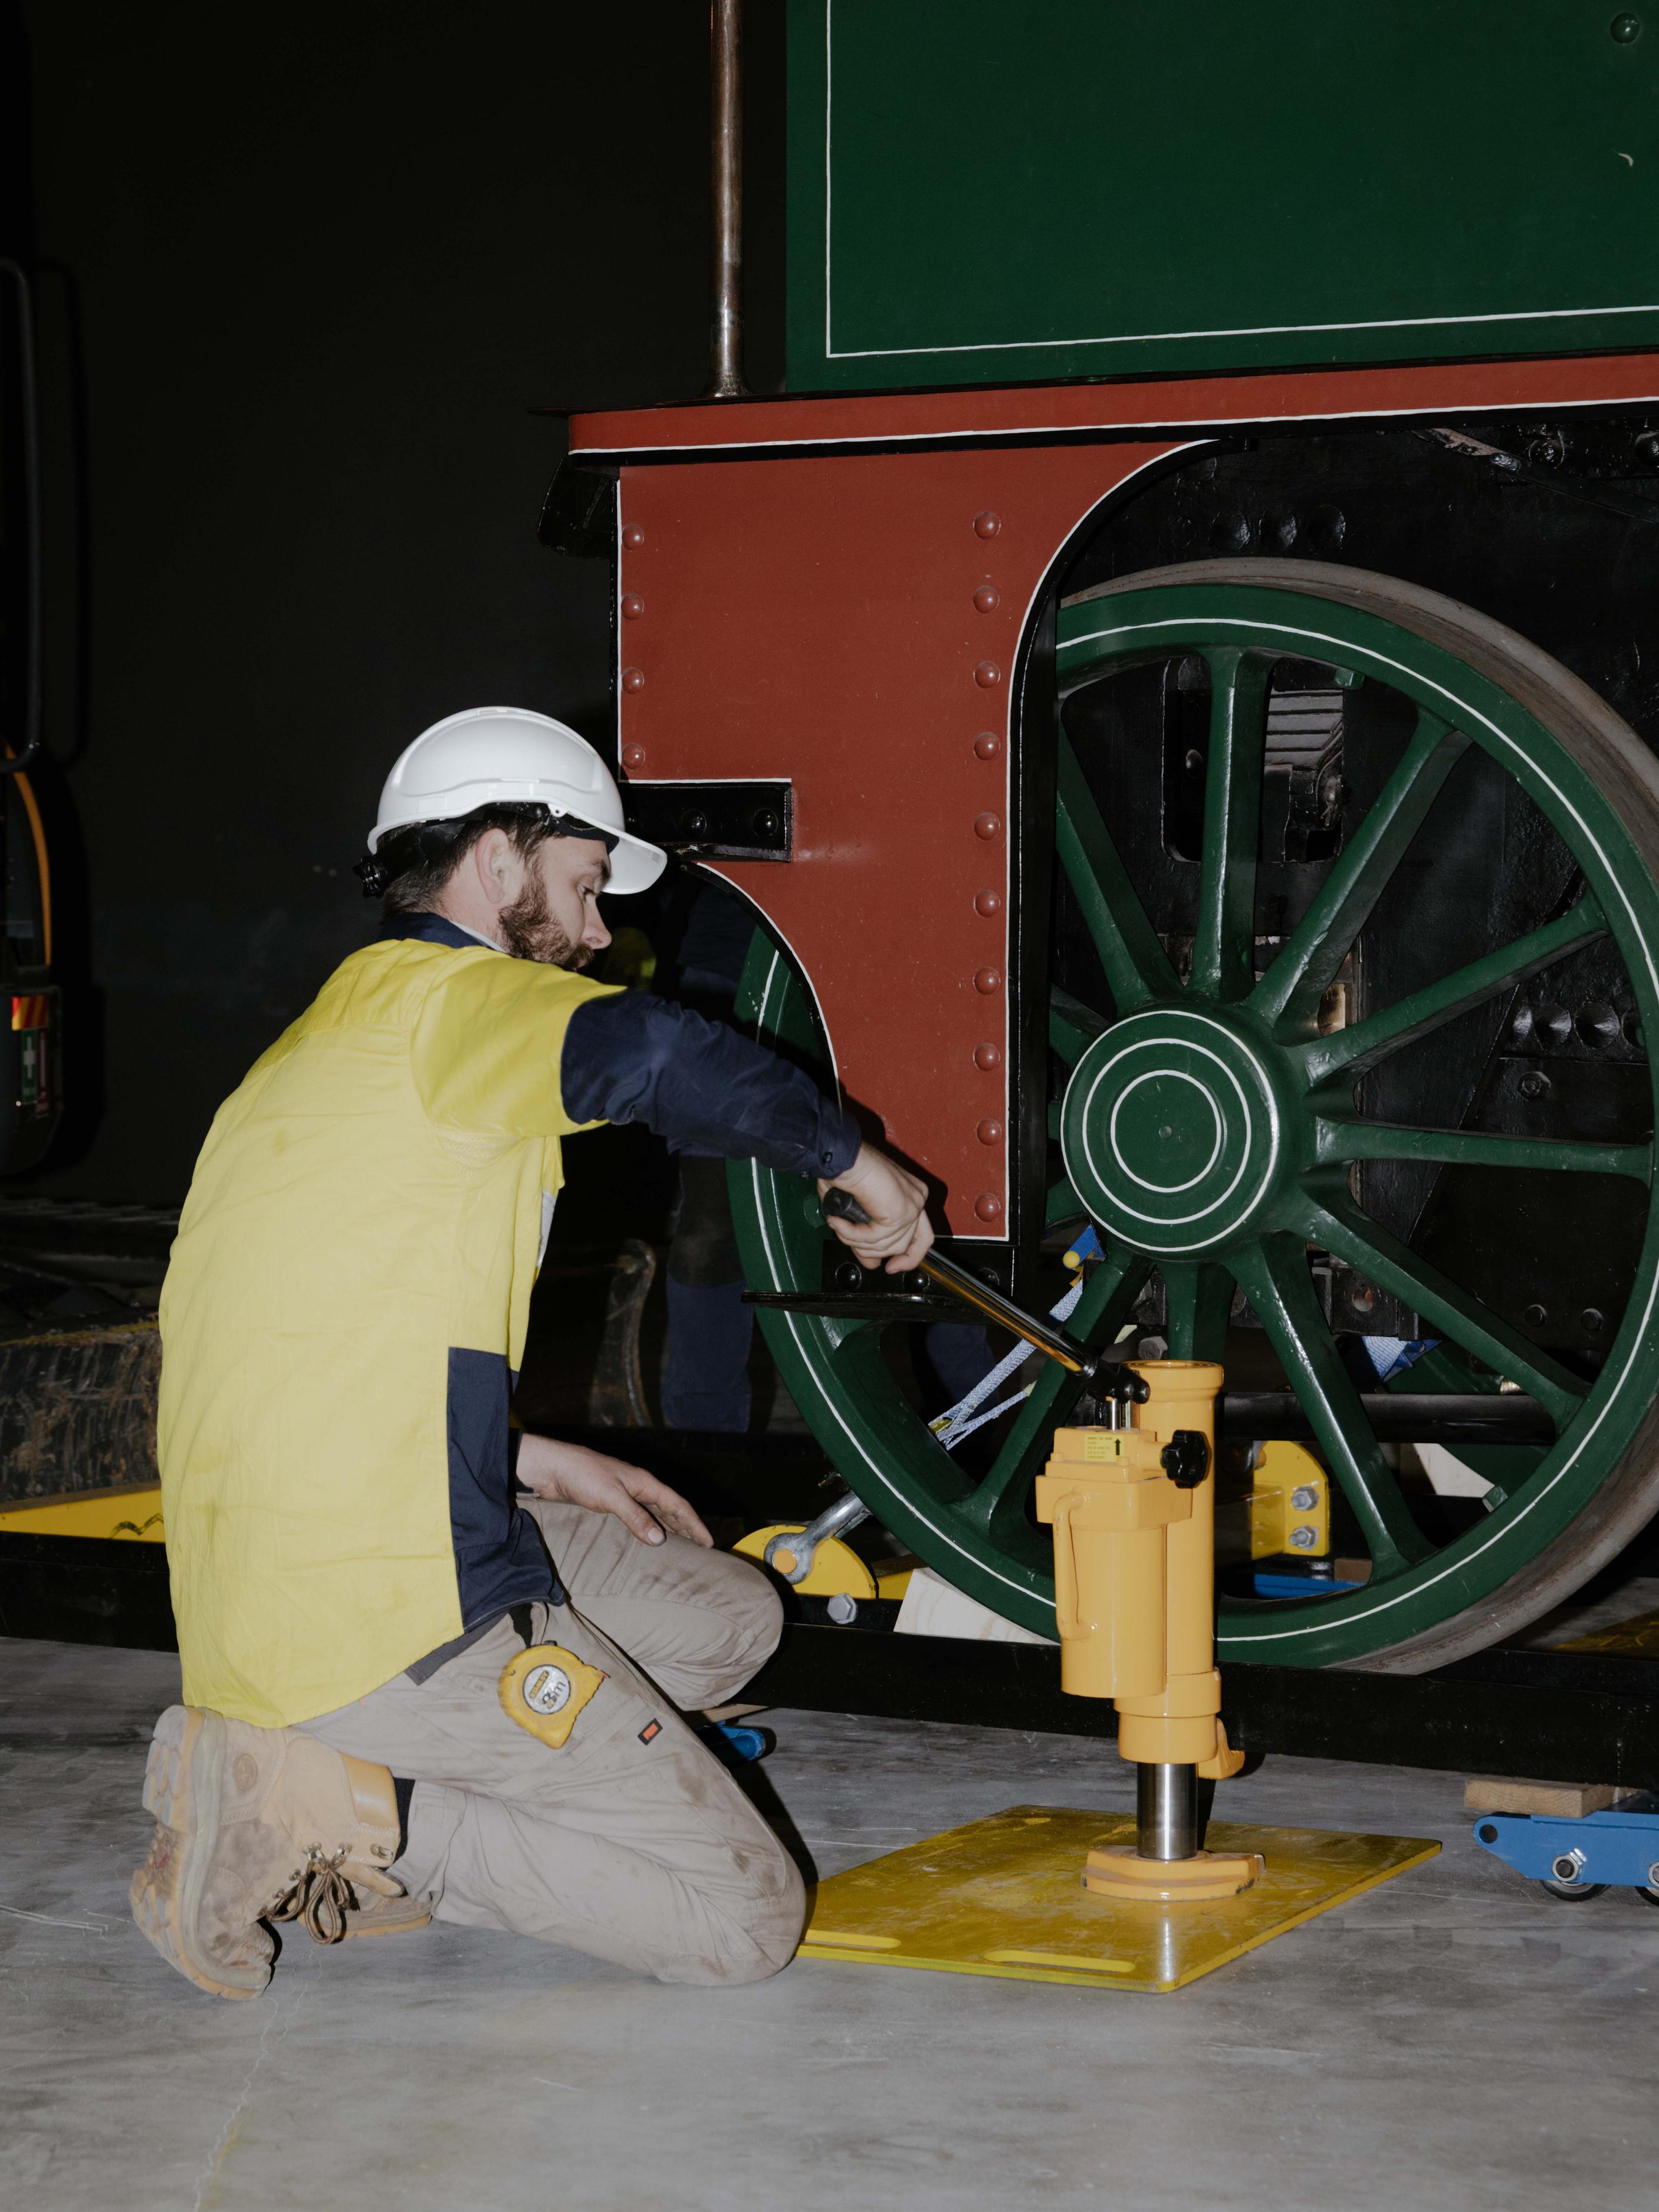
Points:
(630, 1841)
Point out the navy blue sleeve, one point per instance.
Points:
(634, 1058)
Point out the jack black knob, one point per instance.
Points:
(1185, 1458)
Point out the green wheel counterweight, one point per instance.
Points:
(1209, 1123)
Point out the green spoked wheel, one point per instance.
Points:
(1214, 1076)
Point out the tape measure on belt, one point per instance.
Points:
(544, 1688)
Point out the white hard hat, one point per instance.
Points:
(504, 756)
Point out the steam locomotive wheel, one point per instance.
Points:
(1210, 1115)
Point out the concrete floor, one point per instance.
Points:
(1453, 2039)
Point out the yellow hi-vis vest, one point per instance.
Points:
(342, 1323)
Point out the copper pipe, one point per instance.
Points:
(725, 195)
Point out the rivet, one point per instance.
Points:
(1627, 29)
(1535, 1316)
(987, 675)
(987, 981)
(988, 744)
(633, 606)
(987, 825)
(1590, 1321)
(989, 1132)
(987, 903)
(988, 598)
(987, 1058)
(632, 679)
(633, 755)
(633, 536)
(987, 523)
(988, 1205)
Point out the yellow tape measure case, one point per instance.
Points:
(544, 1688)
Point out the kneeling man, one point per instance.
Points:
(433, 1667)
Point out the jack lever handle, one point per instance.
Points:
(1108, 1376)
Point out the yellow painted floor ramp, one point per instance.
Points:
(133, 1510)
(1005, 1897)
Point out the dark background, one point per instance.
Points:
(302, 276)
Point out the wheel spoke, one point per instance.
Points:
(1392, 1266)
(1338, 1139)
(1350, 1052)
(1275, 1278)
(1288, 996)
(1137, 967)
(1112, 1287)
(1062, 1204)
(1198, 1301)
(1072, 1027)
(1224, 946)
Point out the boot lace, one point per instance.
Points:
(321, 1899)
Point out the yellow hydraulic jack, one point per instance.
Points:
(1133, 1510)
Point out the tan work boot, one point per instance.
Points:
(255, 1823)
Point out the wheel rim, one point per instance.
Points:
(1208, 1127)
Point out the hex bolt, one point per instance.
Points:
(1304, 1497)
(842, 1610)
(1304, 1539)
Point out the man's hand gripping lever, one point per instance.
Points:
(879, 1210)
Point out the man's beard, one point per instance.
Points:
(532, 934)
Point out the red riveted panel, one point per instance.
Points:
(821, 619)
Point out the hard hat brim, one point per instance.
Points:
(634, 865)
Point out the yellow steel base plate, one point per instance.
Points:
(1005, 1897)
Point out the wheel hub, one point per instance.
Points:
(1173, 1130)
